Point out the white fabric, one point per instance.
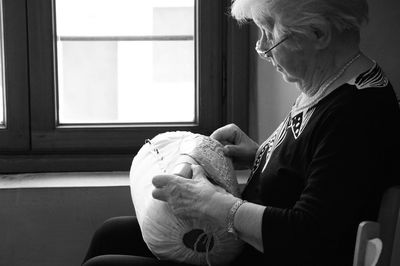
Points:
(161, 230)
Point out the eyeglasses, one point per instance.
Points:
(264, 53)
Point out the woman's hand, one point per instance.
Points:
(194, 198)
(237, 145)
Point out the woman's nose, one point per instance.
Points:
(262, 48)
(263, 43)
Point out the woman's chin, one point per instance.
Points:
(287, 78)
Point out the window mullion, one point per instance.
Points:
(15, 137)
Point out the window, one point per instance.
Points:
(109, 70)
(90, 80)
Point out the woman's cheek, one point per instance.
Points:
(290, 67)
(285, 67)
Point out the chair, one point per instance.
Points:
(378, 243)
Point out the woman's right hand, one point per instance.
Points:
(237, 145)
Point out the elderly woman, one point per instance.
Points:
(326, 166)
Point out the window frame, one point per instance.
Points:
(15, 137)
(223, 68)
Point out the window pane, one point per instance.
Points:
(2, 89)
(124, 17)
(125, 61)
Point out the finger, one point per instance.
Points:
(231, 150)
(224, 134)
(198, 171)
(160, 181)
(183, 170)
(218, 135)
(225, 143)
(160, 194)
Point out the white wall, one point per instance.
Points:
(271, 97)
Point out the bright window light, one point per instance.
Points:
(125, 61)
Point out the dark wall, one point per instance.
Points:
(53, 226)
(381, 38)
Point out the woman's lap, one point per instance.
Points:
(119, 242)
(127, 260)
(118, 236)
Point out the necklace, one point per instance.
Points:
(323, 91)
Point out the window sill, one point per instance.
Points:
(77, 179)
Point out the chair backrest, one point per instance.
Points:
(389, 220)
(368, 244)
(381, 239)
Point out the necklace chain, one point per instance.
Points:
(321, 93)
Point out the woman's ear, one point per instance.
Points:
(322, 35)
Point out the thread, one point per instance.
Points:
(208, 237)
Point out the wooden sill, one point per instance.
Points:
(72, 179)
(77, 179)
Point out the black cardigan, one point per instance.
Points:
(323, 171)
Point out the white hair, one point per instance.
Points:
(300, 16)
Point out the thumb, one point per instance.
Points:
(198, 171)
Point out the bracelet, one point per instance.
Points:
(231, 216)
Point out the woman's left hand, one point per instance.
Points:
(194, 198)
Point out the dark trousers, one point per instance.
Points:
(119, 242)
